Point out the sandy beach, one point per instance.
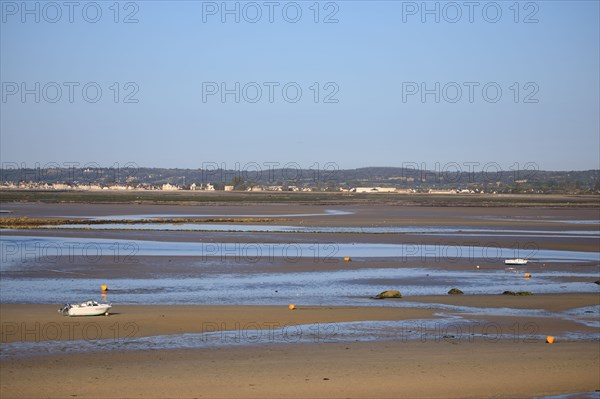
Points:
(37, 323)
(336, 370)
(190, 330)
(178, 319)
(434, 366)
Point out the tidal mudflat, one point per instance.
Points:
(203, 296)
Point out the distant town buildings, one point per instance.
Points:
(363, 181)
(60, 186)
(366, 185)
(375, 190)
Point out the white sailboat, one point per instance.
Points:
(88, 308)
(518, 262)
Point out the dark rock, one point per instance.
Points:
(389, 294)
(455, 291)
(524, 293)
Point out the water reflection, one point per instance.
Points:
(343, 287)
(19, 249)
(150, 216)
(449, 328)
(422, 230)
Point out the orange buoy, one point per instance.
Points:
(527, 275)
(104, 287)
(292, 306)
(549, 339)
(347, 259)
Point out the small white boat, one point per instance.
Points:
(517, 261)
(88, 308)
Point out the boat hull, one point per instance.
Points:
(89, 310)
(517, 262)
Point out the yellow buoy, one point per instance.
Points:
(527, 275)
(292, 306)
(104, 287)
(347, 259)
(549, 339)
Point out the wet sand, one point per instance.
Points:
(31, 323)
(371, 213)
(360, 215)
(412, 369)
(435, 367)
(524, 241)
(551, 303)
(124, 266)
(178, 319)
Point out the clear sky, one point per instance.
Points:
(382, 83)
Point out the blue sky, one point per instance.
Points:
(361, 80)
